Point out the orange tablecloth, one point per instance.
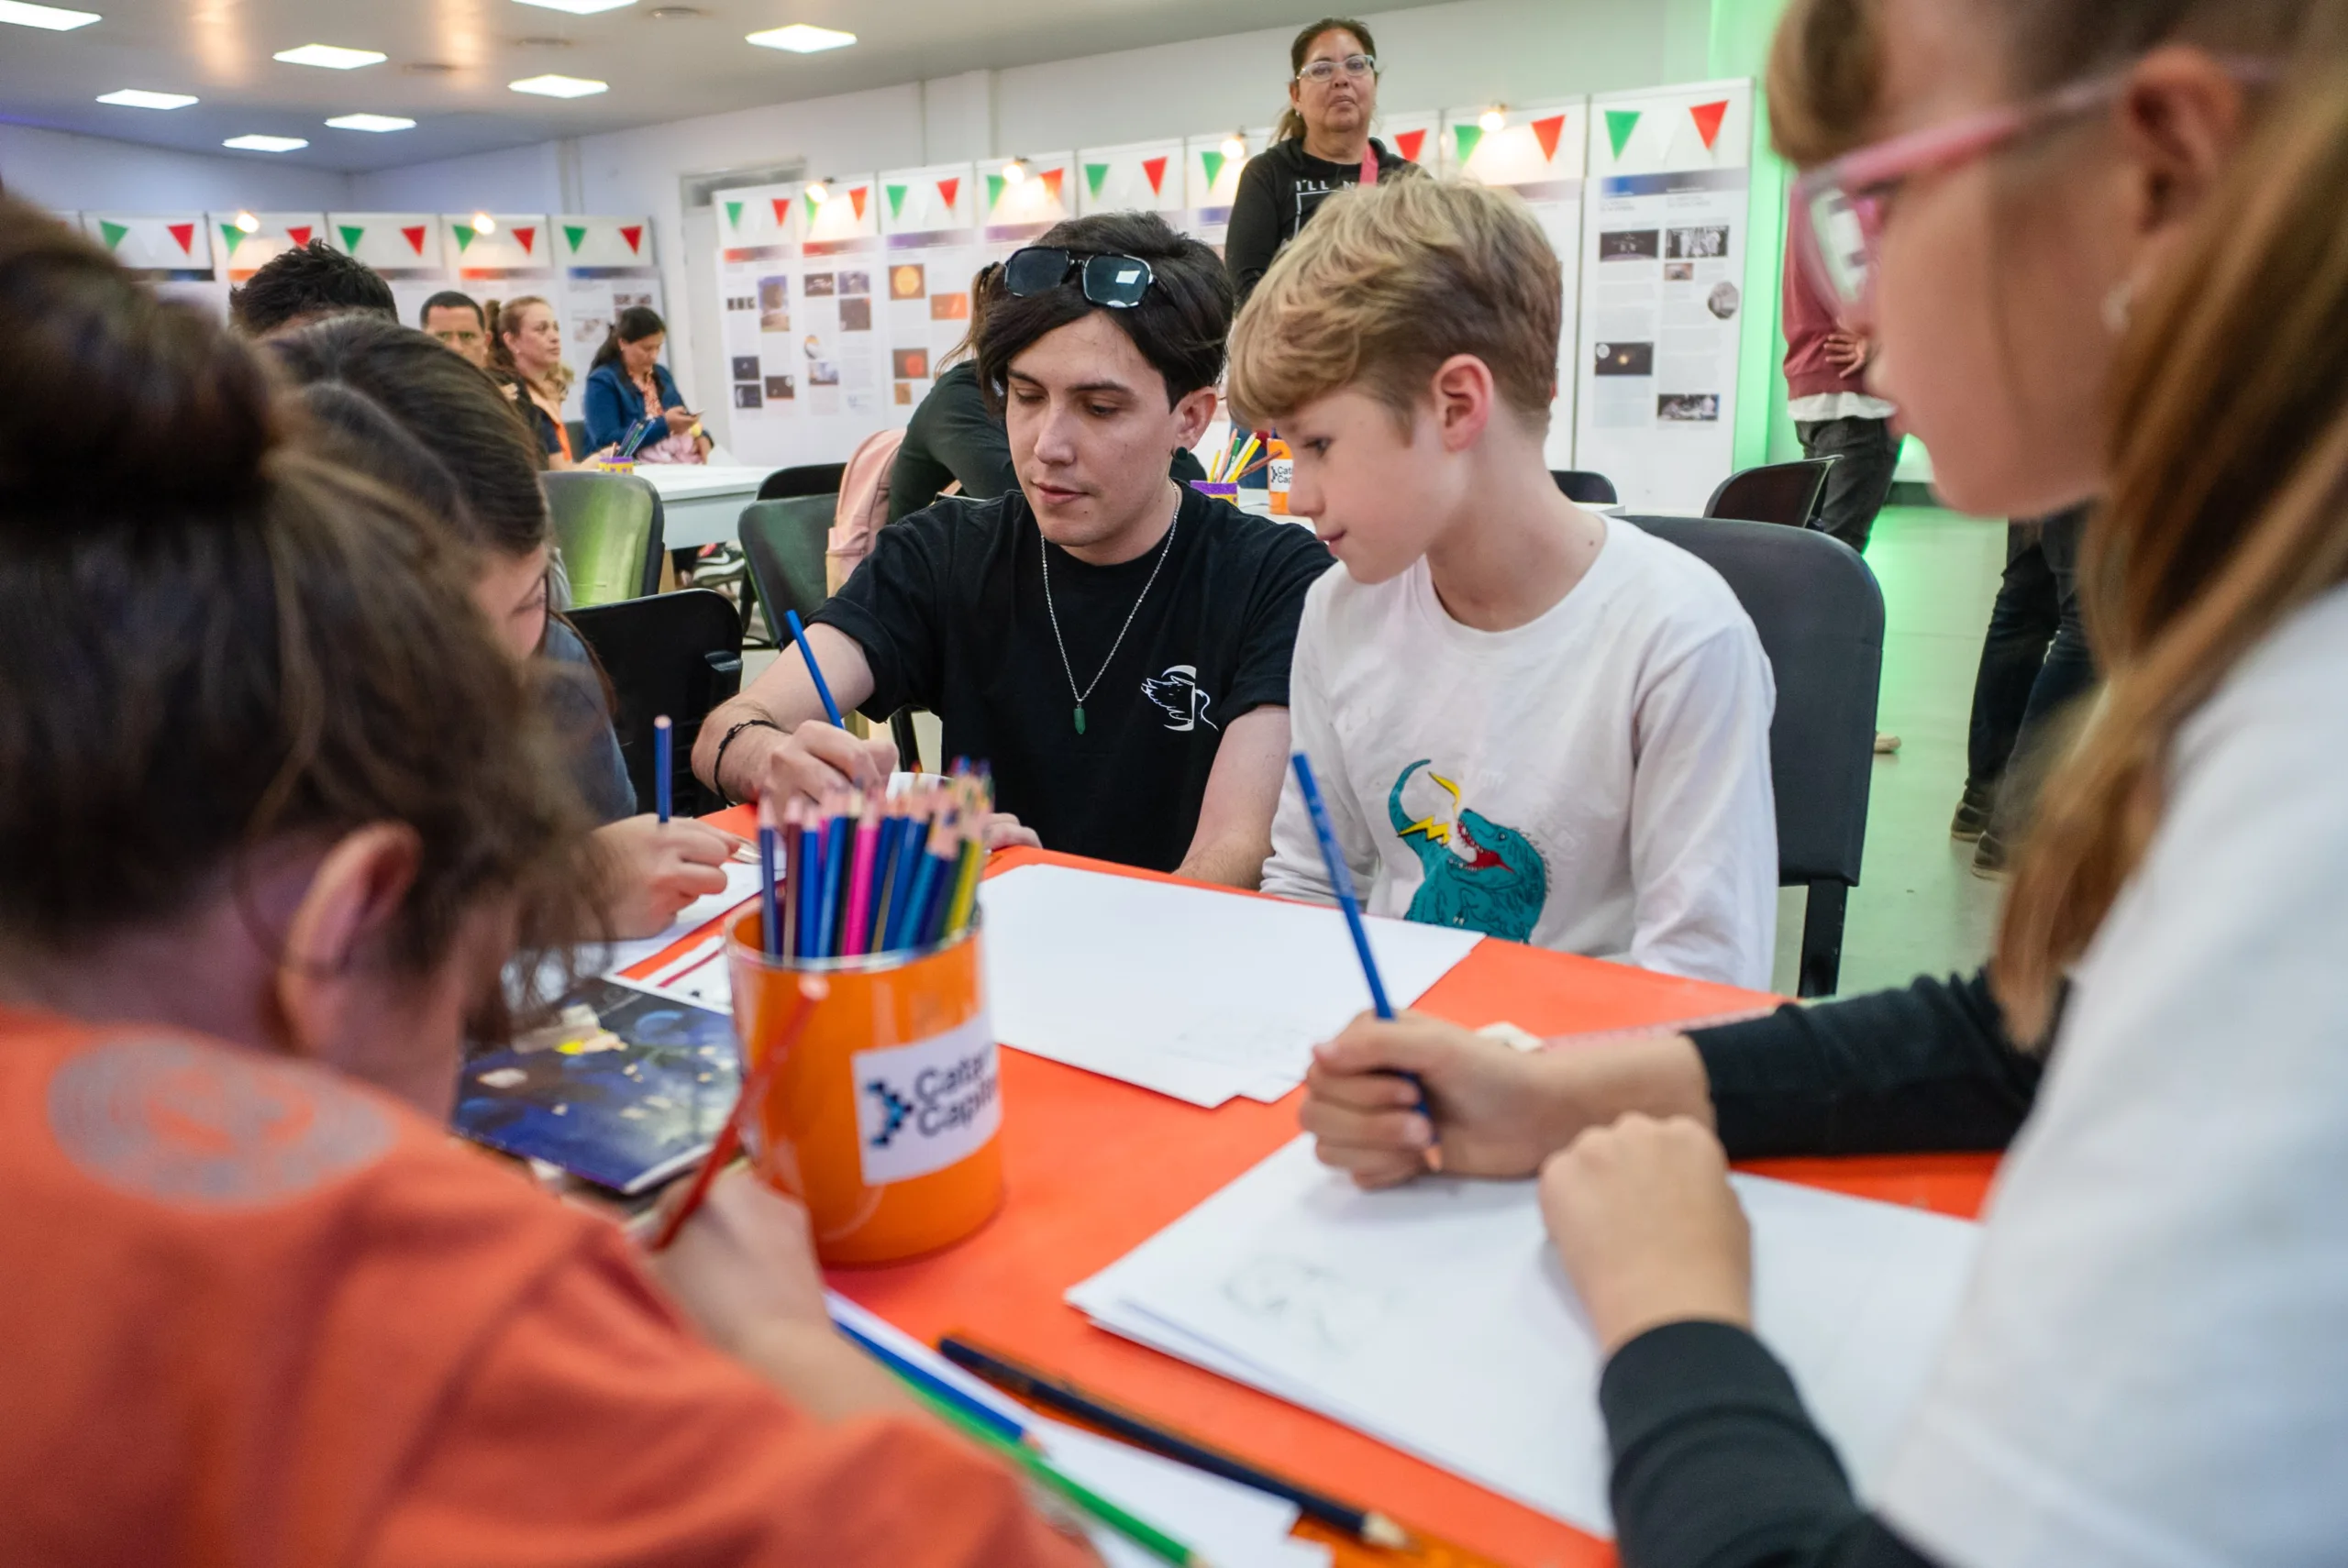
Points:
(1095, 1167)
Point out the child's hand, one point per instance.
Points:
(1001, 830)
(1485, 1096)
(657, 870)
(1648, 1227)
(744, 1263)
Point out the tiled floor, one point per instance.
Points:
(1918, 906)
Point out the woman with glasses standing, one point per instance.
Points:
(1322, 144)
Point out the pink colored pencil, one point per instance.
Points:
(859, 885)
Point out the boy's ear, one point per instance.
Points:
(1193, 415)
(1464, 400)
(336, 937)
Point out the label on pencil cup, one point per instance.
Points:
(921, 1107)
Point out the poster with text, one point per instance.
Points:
(607, 267)
(929, 237)
(1023, 198)
(758, 231)
(1663, 280)
(172, 253)
(1540, 153)
(842, 338)
(1211, 168)
(408, 251)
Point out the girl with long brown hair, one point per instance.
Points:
(2100, 248)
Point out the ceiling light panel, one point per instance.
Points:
(800, 39)
(140, 98)
(370, 123)
(51, 17)
(557, 87)
(331, 56)
(266, 143)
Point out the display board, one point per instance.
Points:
(1140, 176)
(757, 259)
(840, 332)
(172, 252)
(929, 237)
(1211, 168)
(1024, 198)
(1662, 291)
(271, 235)
(607, 267)
(408, 248)
(1540, 153)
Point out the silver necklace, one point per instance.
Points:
(1044, 545)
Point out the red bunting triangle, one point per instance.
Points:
(528, 235)
(1708, 117)
(633, 234)
(185, 234)
(1408, 143)
(1546, 133)
(415, 238)
(783, 212)
(1156, 169)
(857, 198)
(298, 233)
(1052, 182)
(949, 189)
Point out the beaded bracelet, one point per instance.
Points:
(717, 764)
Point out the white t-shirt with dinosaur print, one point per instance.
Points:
(1596, 780)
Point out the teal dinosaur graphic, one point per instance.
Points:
(1493, 881)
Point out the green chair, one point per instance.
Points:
(784, 542)
(608, 527)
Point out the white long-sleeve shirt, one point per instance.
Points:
(1596, 780)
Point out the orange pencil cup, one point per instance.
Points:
(884, 1118)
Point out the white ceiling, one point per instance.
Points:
(659, 69)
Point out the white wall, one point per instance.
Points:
(73, 174)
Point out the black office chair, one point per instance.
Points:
(784, 542)
(808, 479)
(577, 430)
(1584, 487)
(678, 654)
(1820, 615)
(1790, 493)
(608, 529)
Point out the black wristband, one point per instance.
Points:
(717, 763)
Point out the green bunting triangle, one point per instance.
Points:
(733, 215)
(1093, 174)
(1213, 162)
(995, 191)
(112, 232)
(464, 238)
(576, 233)
(350, 236)
(1466, 138)
(233, 234)
(896, 200)
(1619, 124)
(814, 206)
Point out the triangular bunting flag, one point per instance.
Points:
(814, 206)
(633, 234)
(1708, 117)
(1093, 174)
(528, 235)
(1156, 169)
(733, 215)
(112, 232)
(298, 233)
(896, 194)
(185, 234)
(1546, 133)
(233, 234)
(782, 212)
(1052, 182)
(1619, 124)
(577, 232)
(857, 197)
(1466, 137)
(1213, 162)
(351, 234)
(948, 190)
(994, 191)
(464, 238)
(1409, 142)
(415, 238)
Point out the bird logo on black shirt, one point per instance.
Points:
(1177, 693)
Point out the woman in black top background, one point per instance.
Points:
(1320, 146)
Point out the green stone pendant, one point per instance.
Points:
(1079, 718)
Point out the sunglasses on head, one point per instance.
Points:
(1116, 281)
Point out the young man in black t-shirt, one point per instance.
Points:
(1114, 645)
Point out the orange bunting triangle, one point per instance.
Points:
(782, 212)
(1708, 117)
(1052, 182)
(857, 197)
(1546, 133)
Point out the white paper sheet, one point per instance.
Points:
(1438, 1317)
(1195, 993)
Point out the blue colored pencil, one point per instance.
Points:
(815, 670)
(809, 869)
(944, 860)
(664, 759)
(884, 866)
(936, 1387)
(770, 914)
(903, 892)
(827, 899)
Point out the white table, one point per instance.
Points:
(701, 504)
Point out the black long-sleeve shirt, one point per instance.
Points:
(1277, 192)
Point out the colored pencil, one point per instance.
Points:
(1066, 1399)
(855, 931)
(884, 869)
(815, 670)
(812, 990)
(793, 816)
(769, 918)
(966, 884)
(664, 745)
(1245, 452)
(1004, 1426)
(910, 845)
(945, 860)
(1341, 882)
(827, 898)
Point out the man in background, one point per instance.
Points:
(307, 284)
(455, 321)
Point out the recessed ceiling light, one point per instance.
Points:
(266, 143)
(800, 39)
(49, 17)
(331, 56)
(370, 123)
(428, 68)
(541, 41)
(140, 98)
(579, 7)
(554, 86)
(247, 224)
(676, 13)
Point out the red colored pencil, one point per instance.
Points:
(813, 989)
